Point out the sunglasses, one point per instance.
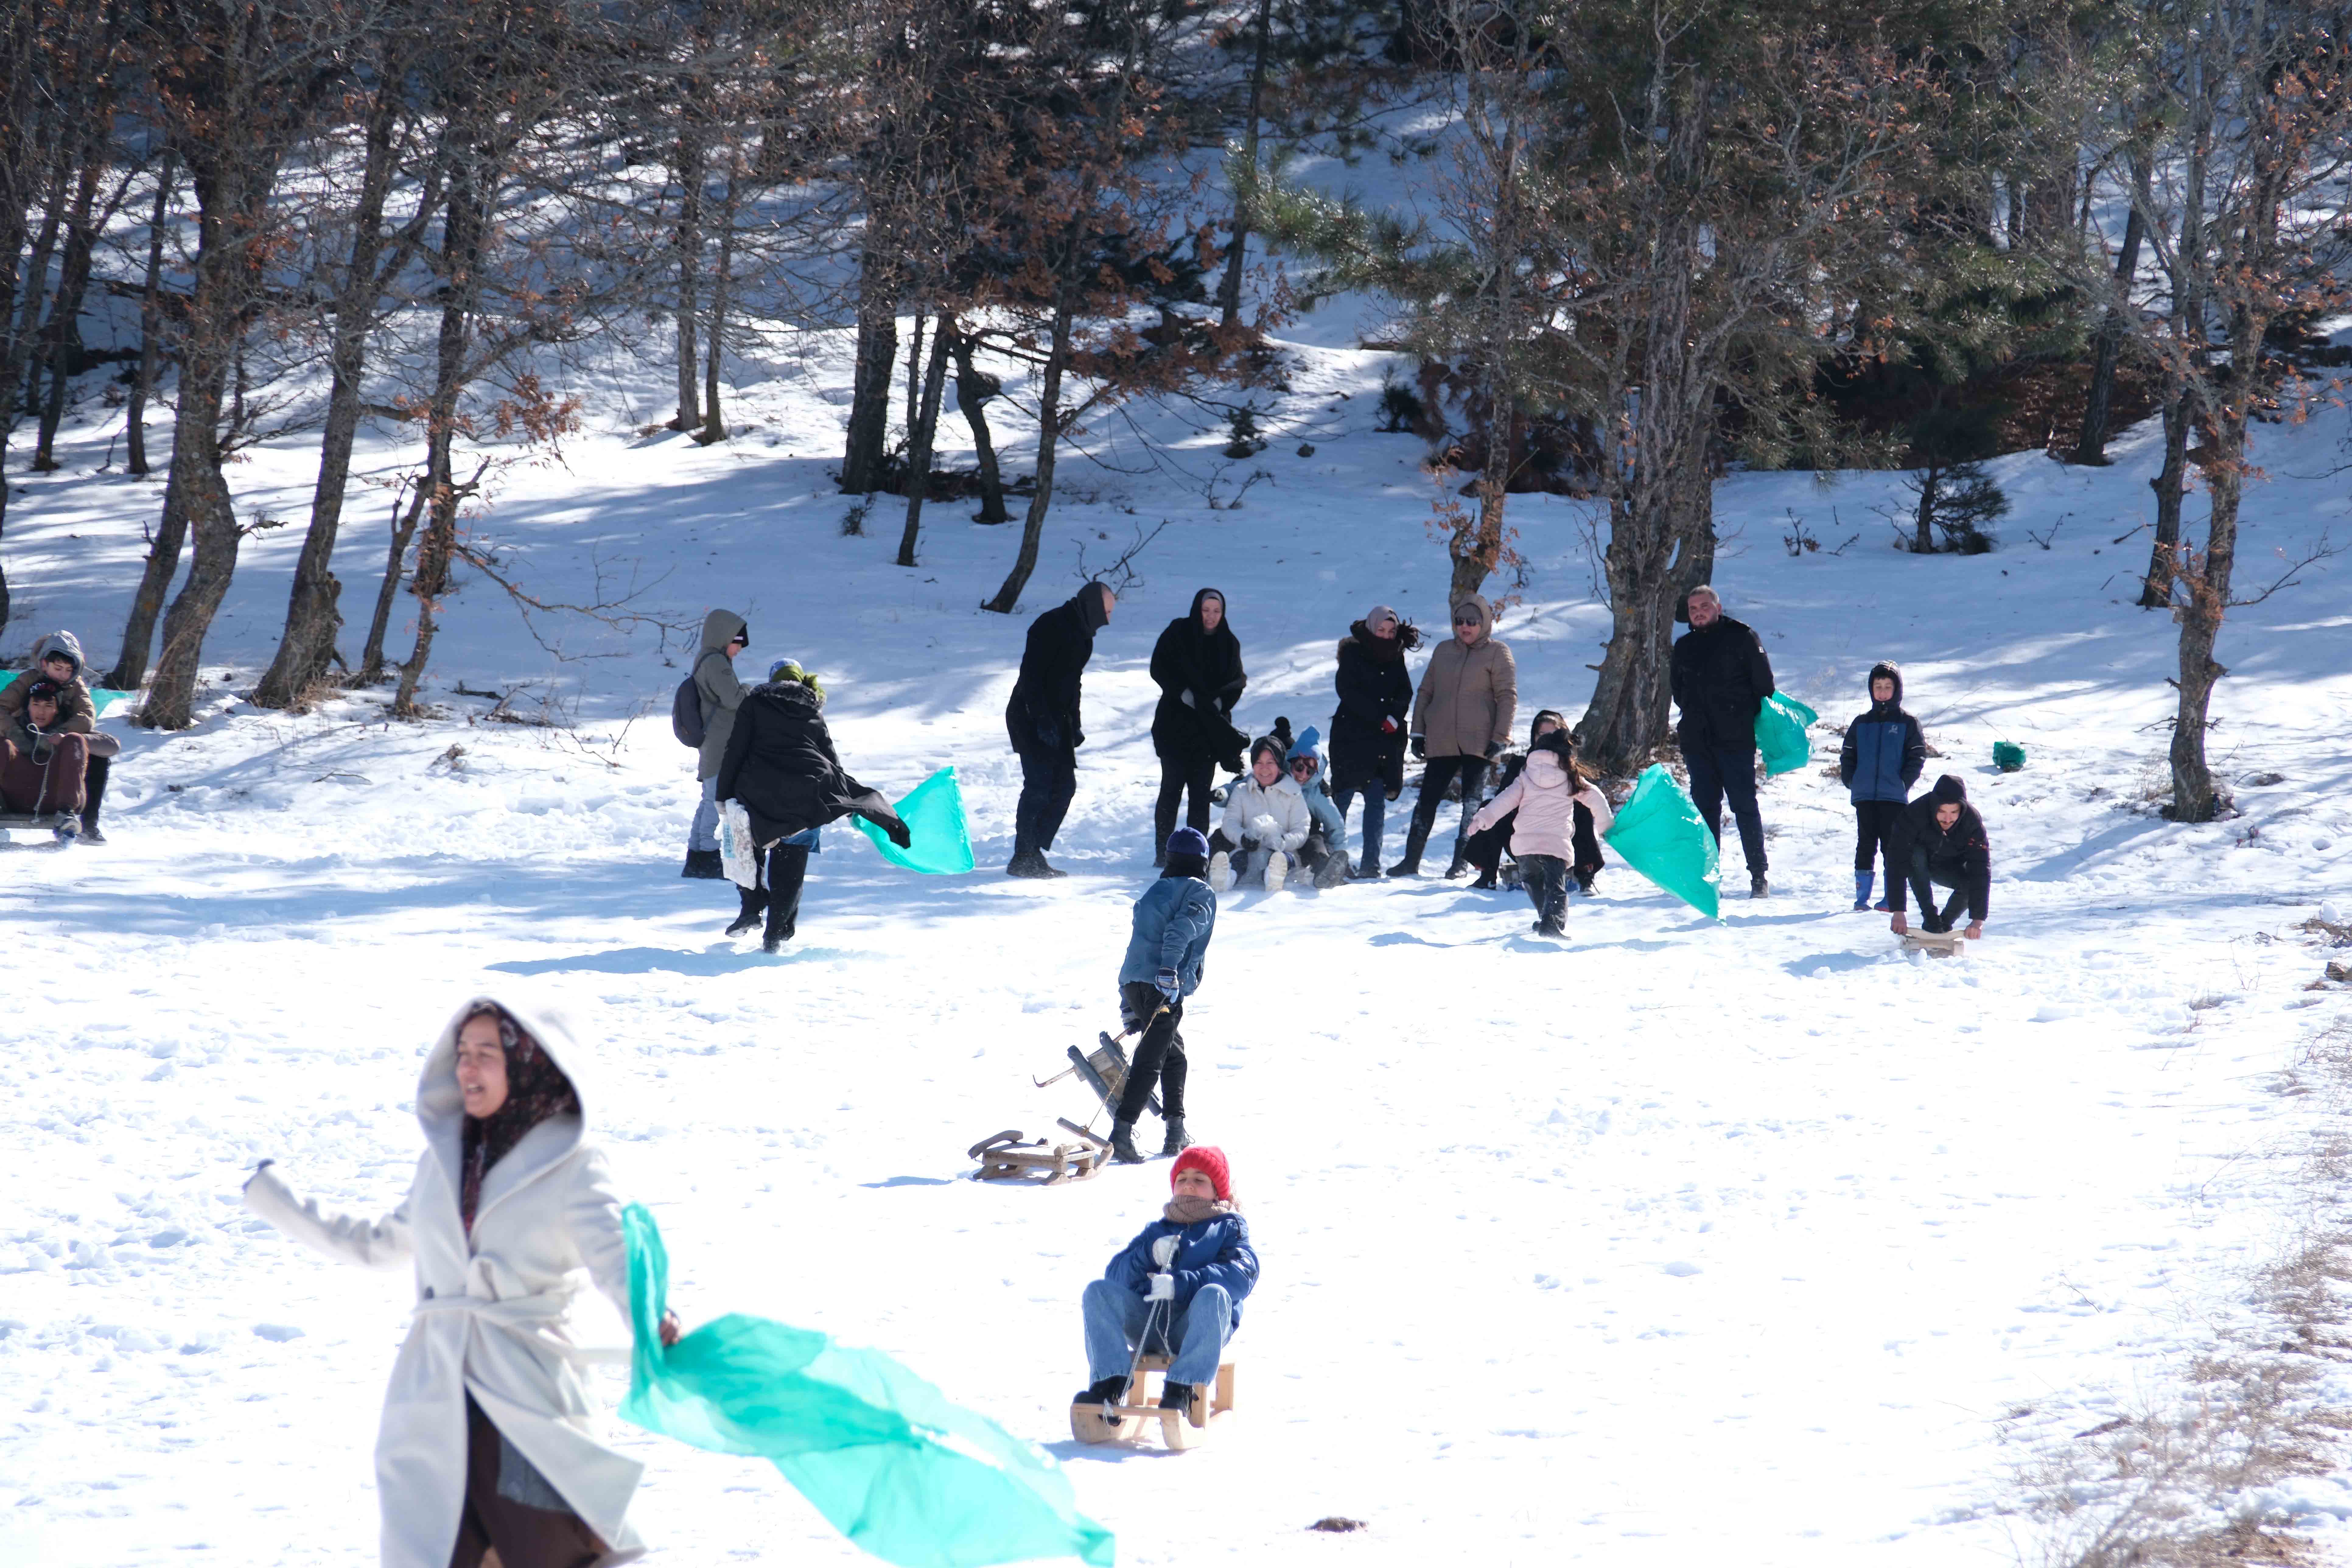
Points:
(1467, 621)
(1302, 764)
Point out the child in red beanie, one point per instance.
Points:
(1181, 1282)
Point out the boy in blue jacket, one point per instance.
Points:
(1170, 940)
(1883, 754)
(1191, 1270)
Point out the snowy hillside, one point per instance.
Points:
(1752, 1241)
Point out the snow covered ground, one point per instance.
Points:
(1690, 1242)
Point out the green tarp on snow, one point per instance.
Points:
(1780, 736)
(100, 696)
(1659, 833)
(933, 813)
(908, 1477)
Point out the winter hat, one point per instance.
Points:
(1210, 1160)
(1950, 791)
(1887, 669)
(1094, 603)
(790, 669)
(1189, 841)
(42, 690)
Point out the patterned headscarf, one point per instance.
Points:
(535, 1090)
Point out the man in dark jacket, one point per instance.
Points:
(780, 764)
(1883, 754)
(1941, 840)
(1721, 679)
(1042, 718)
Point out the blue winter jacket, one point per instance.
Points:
(1319, 804)
(1883, 754)
(1172, 923)
(1213, 1251)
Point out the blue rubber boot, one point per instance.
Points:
(1862, 881)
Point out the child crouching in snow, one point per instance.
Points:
(1164, 956)
(1545, 796)
(1265, 823)
(1181, 1283)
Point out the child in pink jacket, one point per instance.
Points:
(1546, 795)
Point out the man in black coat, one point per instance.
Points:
(1721, 679)
(1042, 720)
(1941, 839)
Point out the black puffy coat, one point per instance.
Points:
(1960, 856)
(781, 764)
(1721, 679)
(1209, 666)
(1373, 685)
(1042, 715)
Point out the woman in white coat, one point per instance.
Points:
(488, 1438)
(1265, 823)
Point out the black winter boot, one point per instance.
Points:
(1416, 839)
(93, 791)
(1461, 863)
(1179, 1397)
(755, 903)
(704, 865)
(1177, 1139)
(1122, 1143)
(1109, 1391)
(787, 867)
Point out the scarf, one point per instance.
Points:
(535, 1090)
(1186, 1209)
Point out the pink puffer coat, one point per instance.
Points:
(1545, 798)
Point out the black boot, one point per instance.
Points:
(1486, 883)
(1177, 1139)
(787, 868)
(1416, 839)
(704, 866)
(93, 791)
(1758, 888)
(1179, 1397)
(754, 902)
(1109, 1391)
(1122, 1143)
(1461, 863)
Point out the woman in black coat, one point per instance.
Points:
(781, 765)
(1367, 729)
(1197, 665)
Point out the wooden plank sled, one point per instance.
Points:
(1006, 1157)
(1936, 945)
(1089, 1424)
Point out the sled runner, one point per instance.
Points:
(1008, 1158)
(1935, 943)
(1089, 1424)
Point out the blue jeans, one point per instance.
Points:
(1116, 1318)
(704, 833)
(1376, 805)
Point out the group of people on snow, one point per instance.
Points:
(54, 759)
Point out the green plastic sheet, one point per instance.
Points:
(908, 1477)
(2008, 757)
(1780, 736)
(1660, 834)
(100, 696)
(933, 813)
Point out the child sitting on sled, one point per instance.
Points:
(1170, 942)
(1179, 1285)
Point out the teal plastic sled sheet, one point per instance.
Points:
(933, 813)
(1780, 726)
(908, 1477)
(1658, 832)
(101, 698)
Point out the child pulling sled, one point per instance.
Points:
(1170, 940)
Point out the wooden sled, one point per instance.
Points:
(1089, 1424)
(1936, 943)
(25, 822)
(1007, 1158)
(1104, 1069)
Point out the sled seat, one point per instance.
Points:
(1089, 1425)
(1006, 1157)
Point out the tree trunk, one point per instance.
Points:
(2164, 555)
(2091, 447)
(687, 240)
(1229, 287)
(461, 250)
(151, 344)
(63, 335)
(714, 423)
(1476, 550)
(919, 438)
(868, 444)
(162, 565)
(1049, 435)
(404, 529)
(974, 387)
(2206, 578)
(313, 609)
(914, 374)
(1923, 518)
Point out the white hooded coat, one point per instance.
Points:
(1547, 808)
(491, 1309)
(1246, 800)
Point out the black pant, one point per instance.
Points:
(787, 868)
(535, 1534)
(1716, 774)
(1159, 1055)
(1439, 772)
(1925, 880)
(1874, 826)
(1485, 848)
(1178, 776)
(1049, 781)
(1546, 880)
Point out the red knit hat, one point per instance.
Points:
(1210, 1160)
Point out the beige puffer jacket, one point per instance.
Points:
(1468, 696)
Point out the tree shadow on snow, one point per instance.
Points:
(668, 961)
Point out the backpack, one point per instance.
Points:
(686, 714)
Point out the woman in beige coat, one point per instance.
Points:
(1460, 717)
(488, 1438)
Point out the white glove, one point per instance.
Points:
(1163, 1288)
(1163, 1251)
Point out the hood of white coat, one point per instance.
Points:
(441, 1107)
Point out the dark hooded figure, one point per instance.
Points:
(1940, 839)
(1367, 727)
(1042, 718)
(1883, 754)
(1720, 678)
(781, 765)
(1197, 665)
